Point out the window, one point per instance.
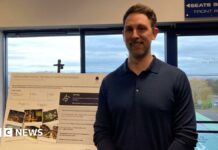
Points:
(102, 50)
(39, 54)
(198, 54)
(104, 53)
(158, 47)
(207, 141)
(198, 57)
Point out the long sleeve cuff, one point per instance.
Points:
(105, 144)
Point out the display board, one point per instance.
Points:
(201, 8)
(51, 111)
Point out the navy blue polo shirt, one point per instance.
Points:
(150, 111)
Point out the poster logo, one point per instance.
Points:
(10, 132)
(6, 132)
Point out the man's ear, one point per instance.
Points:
(155, 32)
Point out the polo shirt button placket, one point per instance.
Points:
(137, 90)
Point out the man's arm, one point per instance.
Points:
(102, 126)
(184, 121)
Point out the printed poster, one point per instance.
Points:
(49, 111)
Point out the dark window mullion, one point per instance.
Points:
(171, 47)
(82, 49)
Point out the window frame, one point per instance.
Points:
(197, 29)
(171, 31)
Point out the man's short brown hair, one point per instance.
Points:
(142, 9)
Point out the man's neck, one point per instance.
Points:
(139, 65)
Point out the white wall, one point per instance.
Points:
(49, 13)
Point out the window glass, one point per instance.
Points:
(207, 141)
(198, 57)
(39, 54)
(158, 47)
(104, 53)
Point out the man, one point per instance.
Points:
(145, 104)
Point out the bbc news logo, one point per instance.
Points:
(10, 132)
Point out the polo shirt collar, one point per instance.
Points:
(154, 66)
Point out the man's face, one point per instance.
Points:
(138, 35)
